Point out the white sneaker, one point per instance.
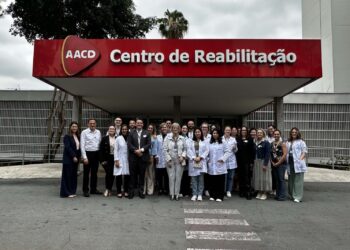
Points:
(199, 198)
(206, 193)
(228, 194)
(296, 200)
(105, 194)
(218, 200)
(211, 199)
(263, 197)
(258, 196)
(194, 198)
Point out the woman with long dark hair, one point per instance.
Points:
(245, 159)
(218, 154)
(121, 162)
(71, 156)
(297, 151)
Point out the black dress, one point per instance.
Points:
(70, 168)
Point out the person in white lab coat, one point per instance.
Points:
(217, 170)
(231, 163)
(197, 154)
(121, 163)
(162, 179)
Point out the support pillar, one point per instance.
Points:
(244, 120)
(278, 113)
(177, 109)
(77, 110)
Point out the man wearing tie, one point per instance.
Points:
(139, 143)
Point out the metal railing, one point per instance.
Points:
(11, 154)
(331, 157)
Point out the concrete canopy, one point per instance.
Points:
(199, 96)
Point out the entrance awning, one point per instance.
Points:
(212, 77)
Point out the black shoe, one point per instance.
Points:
(177, 197)
(86, 194)
(249, 196)
(141, 195)
(160, 192)
(131, 196)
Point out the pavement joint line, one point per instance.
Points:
(195, 203)
(208, 249)
(218, 222)
(210, 211)
(228, 236)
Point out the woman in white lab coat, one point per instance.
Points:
(231, 163)
(217, 170)
(162, 179)
(121, 163)
(197, 154)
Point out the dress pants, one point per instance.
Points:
(91, 170)
(109, 167)
(69, 179)
(295, 183)
(217, 186)
(149, 178)
(137, 168)
(175, 176)
(162, 180)
(119, 183)
(185, 184)
(245, 179)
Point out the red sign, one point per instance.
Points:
(177, 58)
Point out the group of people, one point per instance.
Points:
(185, 160)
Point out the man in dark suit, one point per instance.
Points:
(139, 143)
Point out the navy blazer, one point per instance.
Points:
(70, 150)
(145, 143)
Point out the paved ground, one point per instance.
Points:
(32, 216)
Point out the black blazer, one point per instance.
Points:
(104, 151)
(70, 150)
(133, 144)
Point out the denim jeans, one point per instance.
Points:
(229, 179)
(279, 173)
(197, 184)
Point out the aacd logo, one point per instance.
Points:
(77, 55)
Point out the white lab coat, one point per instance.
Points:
(217, 151)
(191, 155)
(231, 145)
(121, 154)
(160, 152)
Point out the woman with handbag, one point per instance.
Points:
(197, 154)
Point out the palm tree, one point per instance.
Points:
(173, 25)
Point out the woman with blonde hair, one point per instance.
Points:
(262, 168)
(175, 153)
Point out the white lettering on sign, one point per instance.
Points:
(117, 56)
(246, 56)
(80, 54)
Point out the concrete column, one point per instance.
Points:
(77, 110)
(244, 120)
(177, 109)
(278, 113)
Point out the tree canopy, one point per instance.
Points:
(173, 25)
(56, 19)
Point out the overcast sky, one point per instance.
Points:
(207, 19)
